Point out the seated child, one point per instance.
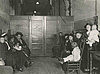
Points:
(75, 56)
(93, 36)
(17, 47)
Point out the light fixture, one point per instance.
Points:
(37, 2)
(35, 11)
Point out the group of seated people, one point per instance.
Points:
(14, 51)
(72, 46)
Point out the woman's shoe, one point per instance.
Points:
(86, 70)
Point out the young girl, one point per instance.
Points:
(75, 56)
(93, 36)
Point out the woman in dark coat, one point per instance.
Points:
(61, 42)
(25, 52)
(11, 54)
(3, 49)
(68, 47)
(18, 38)
(85, 57)
(21, 57)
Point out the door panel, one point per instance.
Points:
(37, 37)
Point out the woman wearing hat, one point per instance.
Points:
(85, 57)
(18, 38)
(25, 52)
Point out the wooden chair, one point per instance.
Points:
(74, 66)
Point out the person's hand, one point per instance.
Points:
(67, 51)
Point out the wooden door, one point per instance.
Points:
(37, 38)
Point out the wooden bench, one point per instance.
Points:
(6, 70)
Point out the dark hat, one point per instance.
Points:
(87, 24)
(19, 33)
(80, 32)
(3, 34)
(70, 35)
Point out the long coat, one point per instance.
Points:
(3, 50)
(24, 46)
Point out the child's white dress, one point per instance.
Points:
(75, 56)
(93, 36)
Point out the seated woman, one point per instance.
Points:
(24, 49)
(11, 54)
(3, 51)
(68, 47)
(21, 58)
(80, 40)
(18, 38)
(75, 56)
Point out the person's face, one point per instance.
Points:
(2, 40)
(88, 27)
(17, 44)
(66, 37)
(70, 38)
(78, 35)
(18, 36)
(60, 34)
(94, 27)
(12, 40)
(5, 38)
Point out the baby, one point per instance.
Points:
(75, 56)
(93, 36)
(17, 47)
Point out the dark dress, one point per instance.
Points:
(85, 56)
(3, 51)
(11, 55)
(67, 47)
(24, 46)
(23, 56)
(61, 44)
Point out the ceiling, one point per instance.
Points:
(29, 6)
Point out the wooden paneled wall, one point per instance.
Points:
(81, 23)
(40, 32)
(4, 15)
(20, 24)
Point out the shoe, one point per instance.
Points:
(30, 64)
(86, 70)
(20, 70)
